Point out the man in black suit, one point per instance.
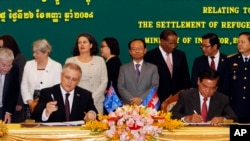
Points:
(190, 104)
(52, 101)
(9, 84)
(210, 47)
(175, 77)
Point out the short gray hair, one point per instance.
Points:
(72, 66)
(42, 45)
(6, 54)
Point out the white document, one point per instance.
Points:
(198, 124)
(68, 123)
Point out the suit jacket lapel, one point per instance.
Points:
(212, 106)
(143, 69)
(5, 86)
(205, 59)
(76, 99)
(60, 102)
(197, 104)
(132, 72)
(221, 62)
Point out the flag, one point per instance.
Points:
(152, 99)
(111, 101)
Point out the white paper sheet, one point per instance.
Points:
(68, 123)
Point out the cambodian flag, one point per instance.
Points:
(152, 99)
(111, 101)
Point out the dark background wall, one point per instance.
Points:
(123, 20)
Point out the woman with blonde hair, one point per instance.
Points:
(39, 73)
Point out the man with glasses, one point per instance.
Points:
(171, 63)
(211, 58)
(204, 104)
(9, 84)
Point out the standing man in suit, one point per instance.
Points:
(211, 58)
(134, 83)
(52, 105)
(239, 88)
(175, 76)
(204, 104)
(9, 84)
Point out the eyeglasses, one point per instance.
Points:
(205, 46)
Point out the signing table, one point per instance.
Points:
(74, 133)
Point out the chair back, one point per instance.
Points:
(168, 104)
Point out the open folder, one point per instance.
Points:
(68, 123)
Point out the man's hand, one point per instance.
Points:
(136, 101)
(217, 120)
(90, 115)
(7, 118)
(51, 107)
(195, 118)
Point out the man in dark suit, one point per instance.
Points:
(177, 77)
(239, 75)
(9, 84)
(212, 57)
(132, 89)
(191, 107)
(52, 105)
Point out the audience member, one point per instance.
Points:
(137, 77)
(211, 58)
(52, 105)
(239, 87)
(204, 104)
(39, 73)
(172, 65)
(110, 50)
(9, 84)
(9, 41)
(95, 77)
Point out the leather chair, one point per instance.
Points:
(168, 104)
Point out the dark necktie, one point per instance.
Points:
(212, 65)
(67, 110)
(137, 72)
(246, 60)
(204, 110)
